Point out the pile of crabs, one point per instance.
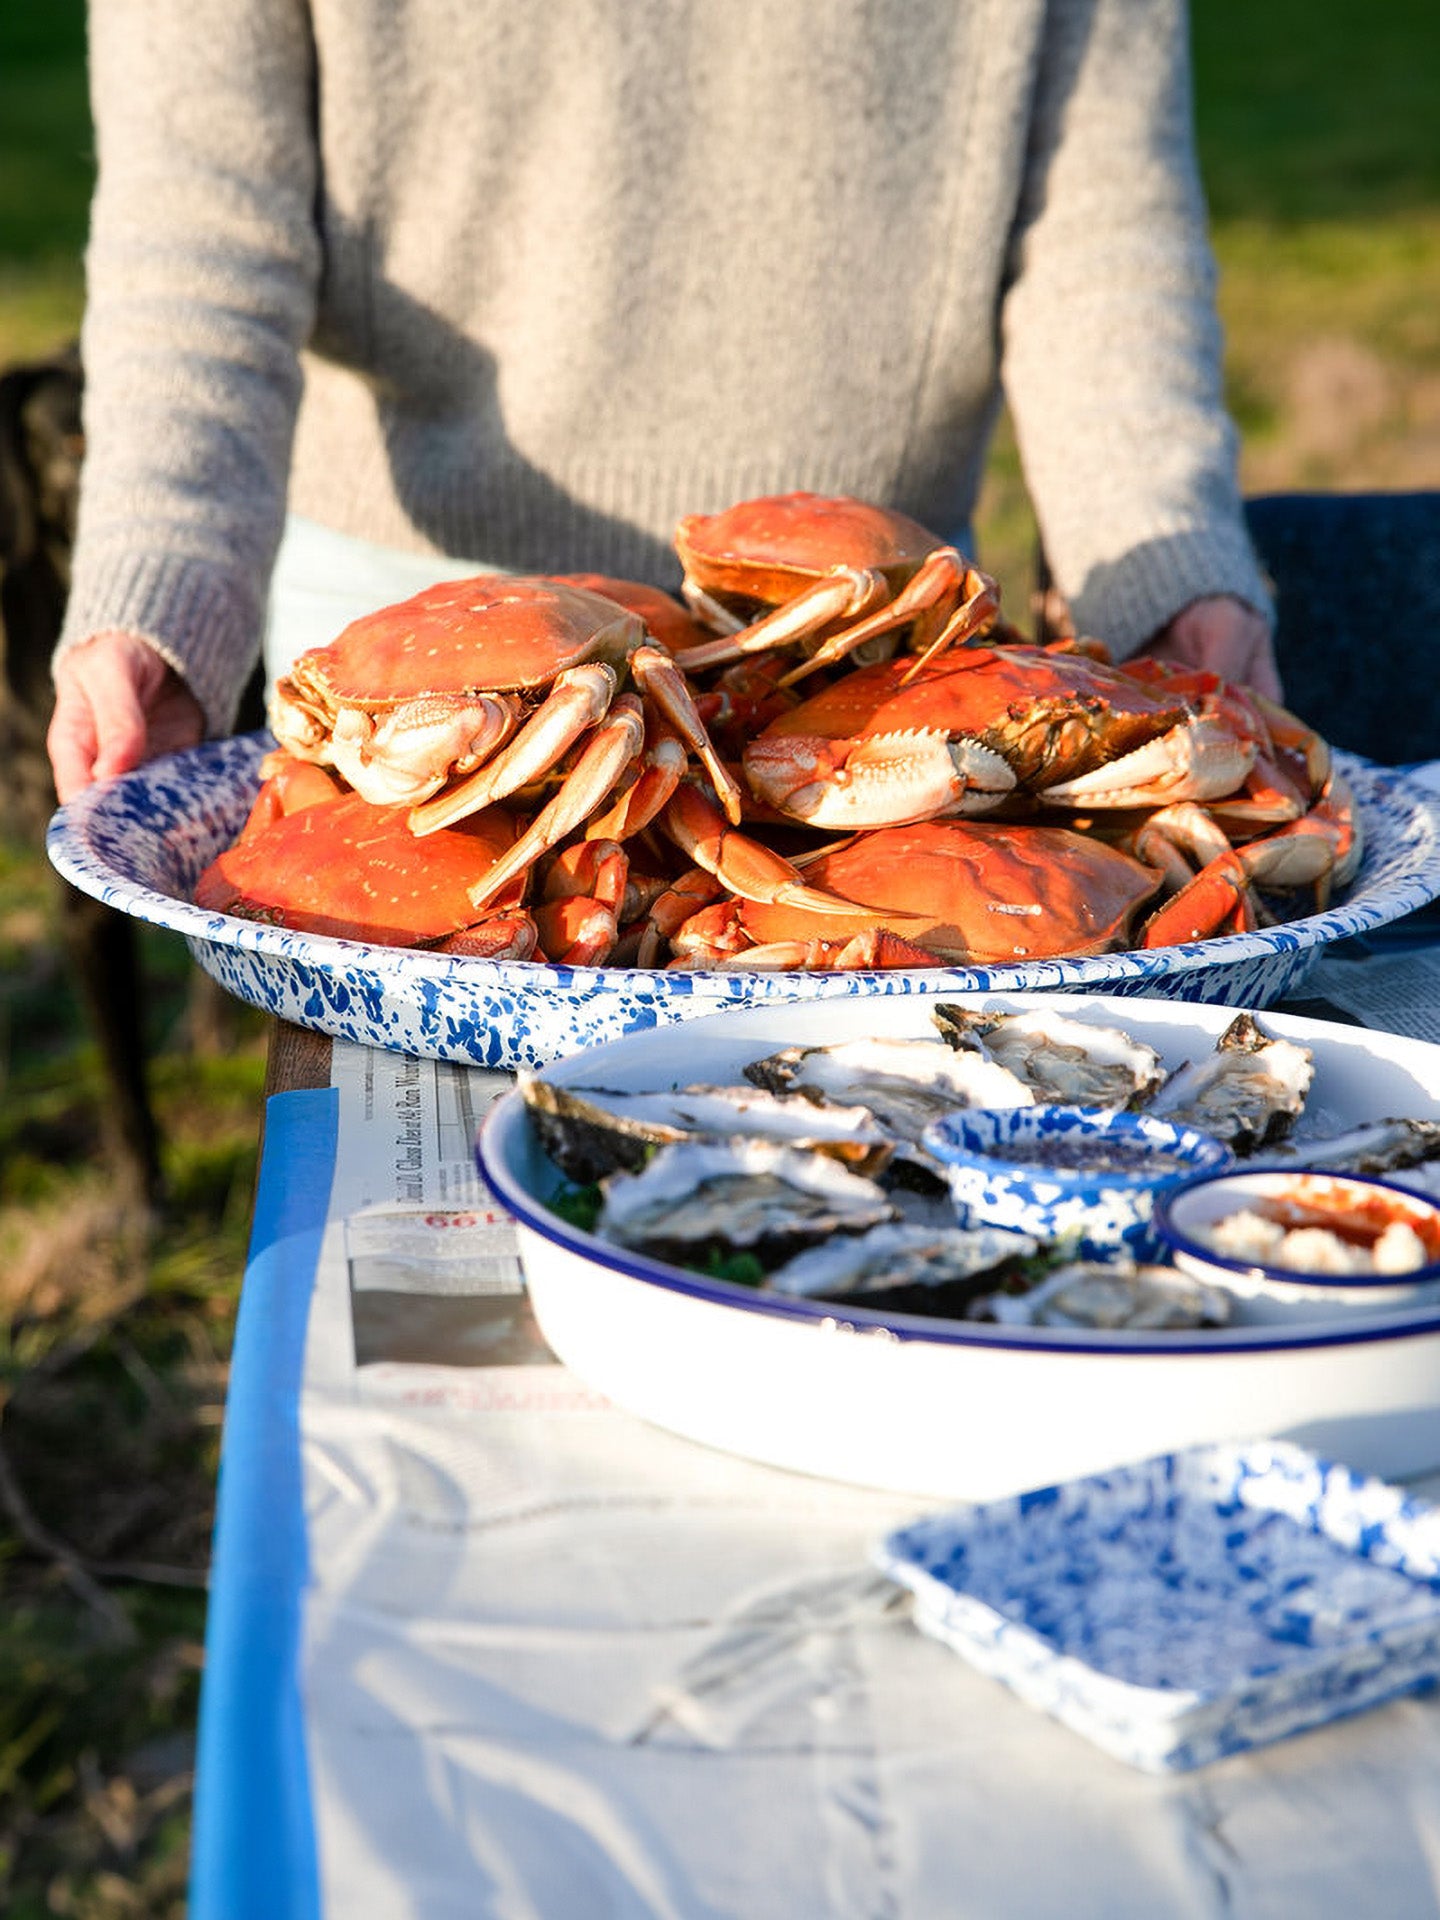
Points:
(835, 754)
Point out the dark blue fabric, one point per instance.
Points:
(1357, 594)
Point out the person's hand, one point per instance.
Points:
(1227, 637)
(118, 703)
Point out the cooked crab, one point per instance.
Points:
(338, 865)
(474, 689)
(944, 892)
(828, 575)
(886, 745)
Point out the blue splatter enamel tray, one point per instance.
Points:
(140, 842)
(1191, 1606)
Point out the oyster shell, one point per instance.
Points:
(1376, 1146)
(1248, 1092)
(1110, 1296)
(900, 1257)
(592, 1131)
(750, 1195)
(905, 1083)
(1076, 1063)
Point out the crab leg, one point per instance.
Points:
(647, 786)
(595, 774)
(975, 614)
(582, 891)
(743, 865)
(845, 593)
(578, 699)
(500, 936)
(873, 951)
(1312, 852)
(669, 910)
(1217, 900)
(660, 680)
(940, 577)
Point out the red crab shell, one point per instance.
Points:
(1049, 715)
(355, 870)
(666, 621)
(771, 549)
(966, 892)
(490, 631)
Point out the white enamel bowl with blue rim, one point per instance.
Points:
(141, 841)
(1035, 1170)
(958, 1409)
(1265, 1293)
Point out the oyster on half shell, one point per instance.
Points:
(592, 1131)
(905, 1083)
(1247, 1093)
(1375, 1146)
(1075, 1063)
(1111, 1296)
(749, 1195)
(899, 1257)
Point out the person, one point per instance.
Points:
(496, 286)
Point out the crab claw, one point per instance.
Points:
(1197, 760)
(883, 779)
(747, 868)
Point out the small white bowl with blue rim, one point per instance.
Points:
(1088, 1176)
(1266, 1292)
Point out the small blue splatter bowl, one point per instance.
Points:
(1086, 1175)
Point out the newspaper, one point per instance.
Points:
(556, 1662)
(1399, 991)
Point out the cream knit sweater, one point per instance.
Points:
(525, 280)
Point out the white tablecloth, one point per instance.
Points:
(482, 1644)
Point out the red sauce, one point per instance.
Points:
(1355, 1215)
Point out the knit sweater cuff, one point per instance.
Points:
(205, 625)
(1128, 600)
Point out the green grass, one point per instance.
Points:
(1320, 148)
(114, 1342)
(1317, 109)
(47, 168)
